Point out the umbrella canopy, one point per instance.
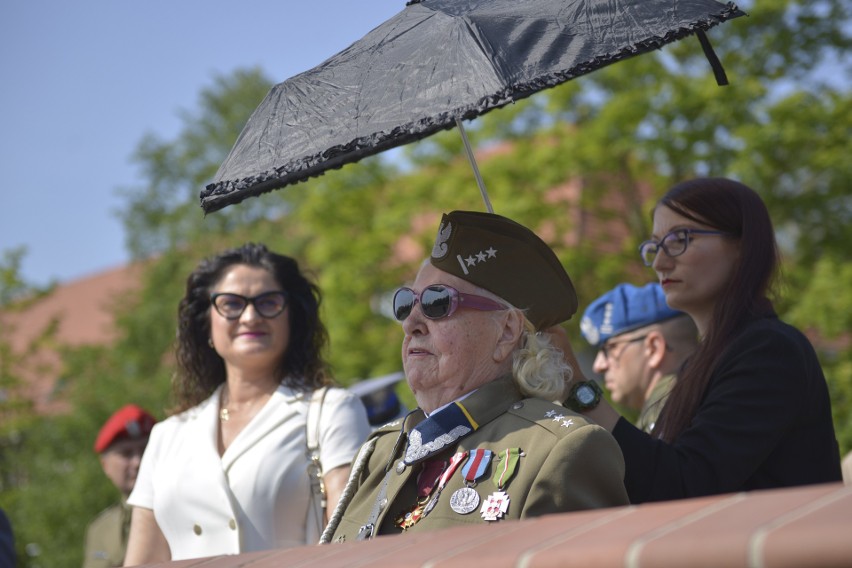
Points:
(433, 63)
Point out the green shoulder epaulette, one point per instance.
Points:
(555, 418)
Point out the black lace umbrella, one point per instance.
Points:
(434, 64)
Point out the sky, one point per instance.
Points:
(83, 82)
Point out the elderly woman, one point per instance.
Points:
(486, 443)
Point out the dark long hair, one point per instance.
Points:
(736, 209)
(200, 369)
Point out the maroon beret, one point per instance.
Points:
(507, 259)
(129, 421)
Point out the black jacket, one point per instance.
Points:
(764, 422)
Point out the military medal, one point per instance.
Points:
(454, 463)
(426, 481)
(408, 519)
(466, 499)
(505, 466)
(495, 506)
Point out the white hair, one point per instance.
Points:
(539, 368)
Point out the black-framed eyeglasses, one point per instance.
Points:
(439, 301)
(606, 348)
(267, 305)
(673, 244)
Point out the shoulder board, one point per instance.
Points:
(394, 426)
(548, 415)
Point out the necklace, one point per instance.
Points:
(225, 413)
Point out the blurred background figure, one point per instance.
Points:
(641, 343)
(380, 399)
(7, 542)
(120, 444)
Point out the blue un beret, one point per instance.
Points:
(625, 308)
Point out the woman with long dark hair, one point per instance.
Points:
(750, 409)
(230, 471)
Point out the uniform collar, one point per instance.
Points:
(459, 419)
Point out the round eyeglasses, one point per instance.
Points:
(232, 306)
(439, 301)
(606, 348)
(673, 244)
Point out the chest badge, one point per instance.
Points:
(505, 466)
(466, 499)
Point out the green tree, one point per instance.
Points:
(164, 213)
(616, 138)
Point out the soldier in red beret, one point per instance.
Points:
(120, 443)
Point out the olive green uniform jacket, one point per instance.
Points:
(651, 409)
(106, 537)
(568, 464)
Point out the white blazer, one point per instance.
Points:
(257, 495)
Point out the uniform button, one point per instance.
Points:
(383, 503)
(400, 466)
(196, 529)
(233, 524)
(517, 406)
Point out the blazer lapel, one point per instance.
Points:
(282, 406)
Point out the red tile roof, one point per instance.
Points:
(82, 310)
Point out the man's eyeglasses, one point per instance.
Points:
(439, 301)
(606, 348)
(673, 244)
(232, 306)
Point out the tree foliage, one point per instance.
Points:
(596, 151)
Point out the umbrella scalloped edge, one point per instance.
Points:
(218, 195)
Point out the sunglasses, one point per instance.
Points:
(439, 301)
(232, 306)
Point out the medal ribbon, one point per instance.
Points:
(505, 466)
(454, 463)
(475, 467)
(427, 478)
(448, 473)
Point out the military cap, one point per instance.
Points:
(507, 259)
(625, 308)
(129, 421)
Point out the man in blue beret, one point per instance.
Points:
(641, 344)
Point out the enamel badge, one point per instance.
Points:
(495, 506)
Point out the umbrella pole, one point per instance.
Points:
(472, 160)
